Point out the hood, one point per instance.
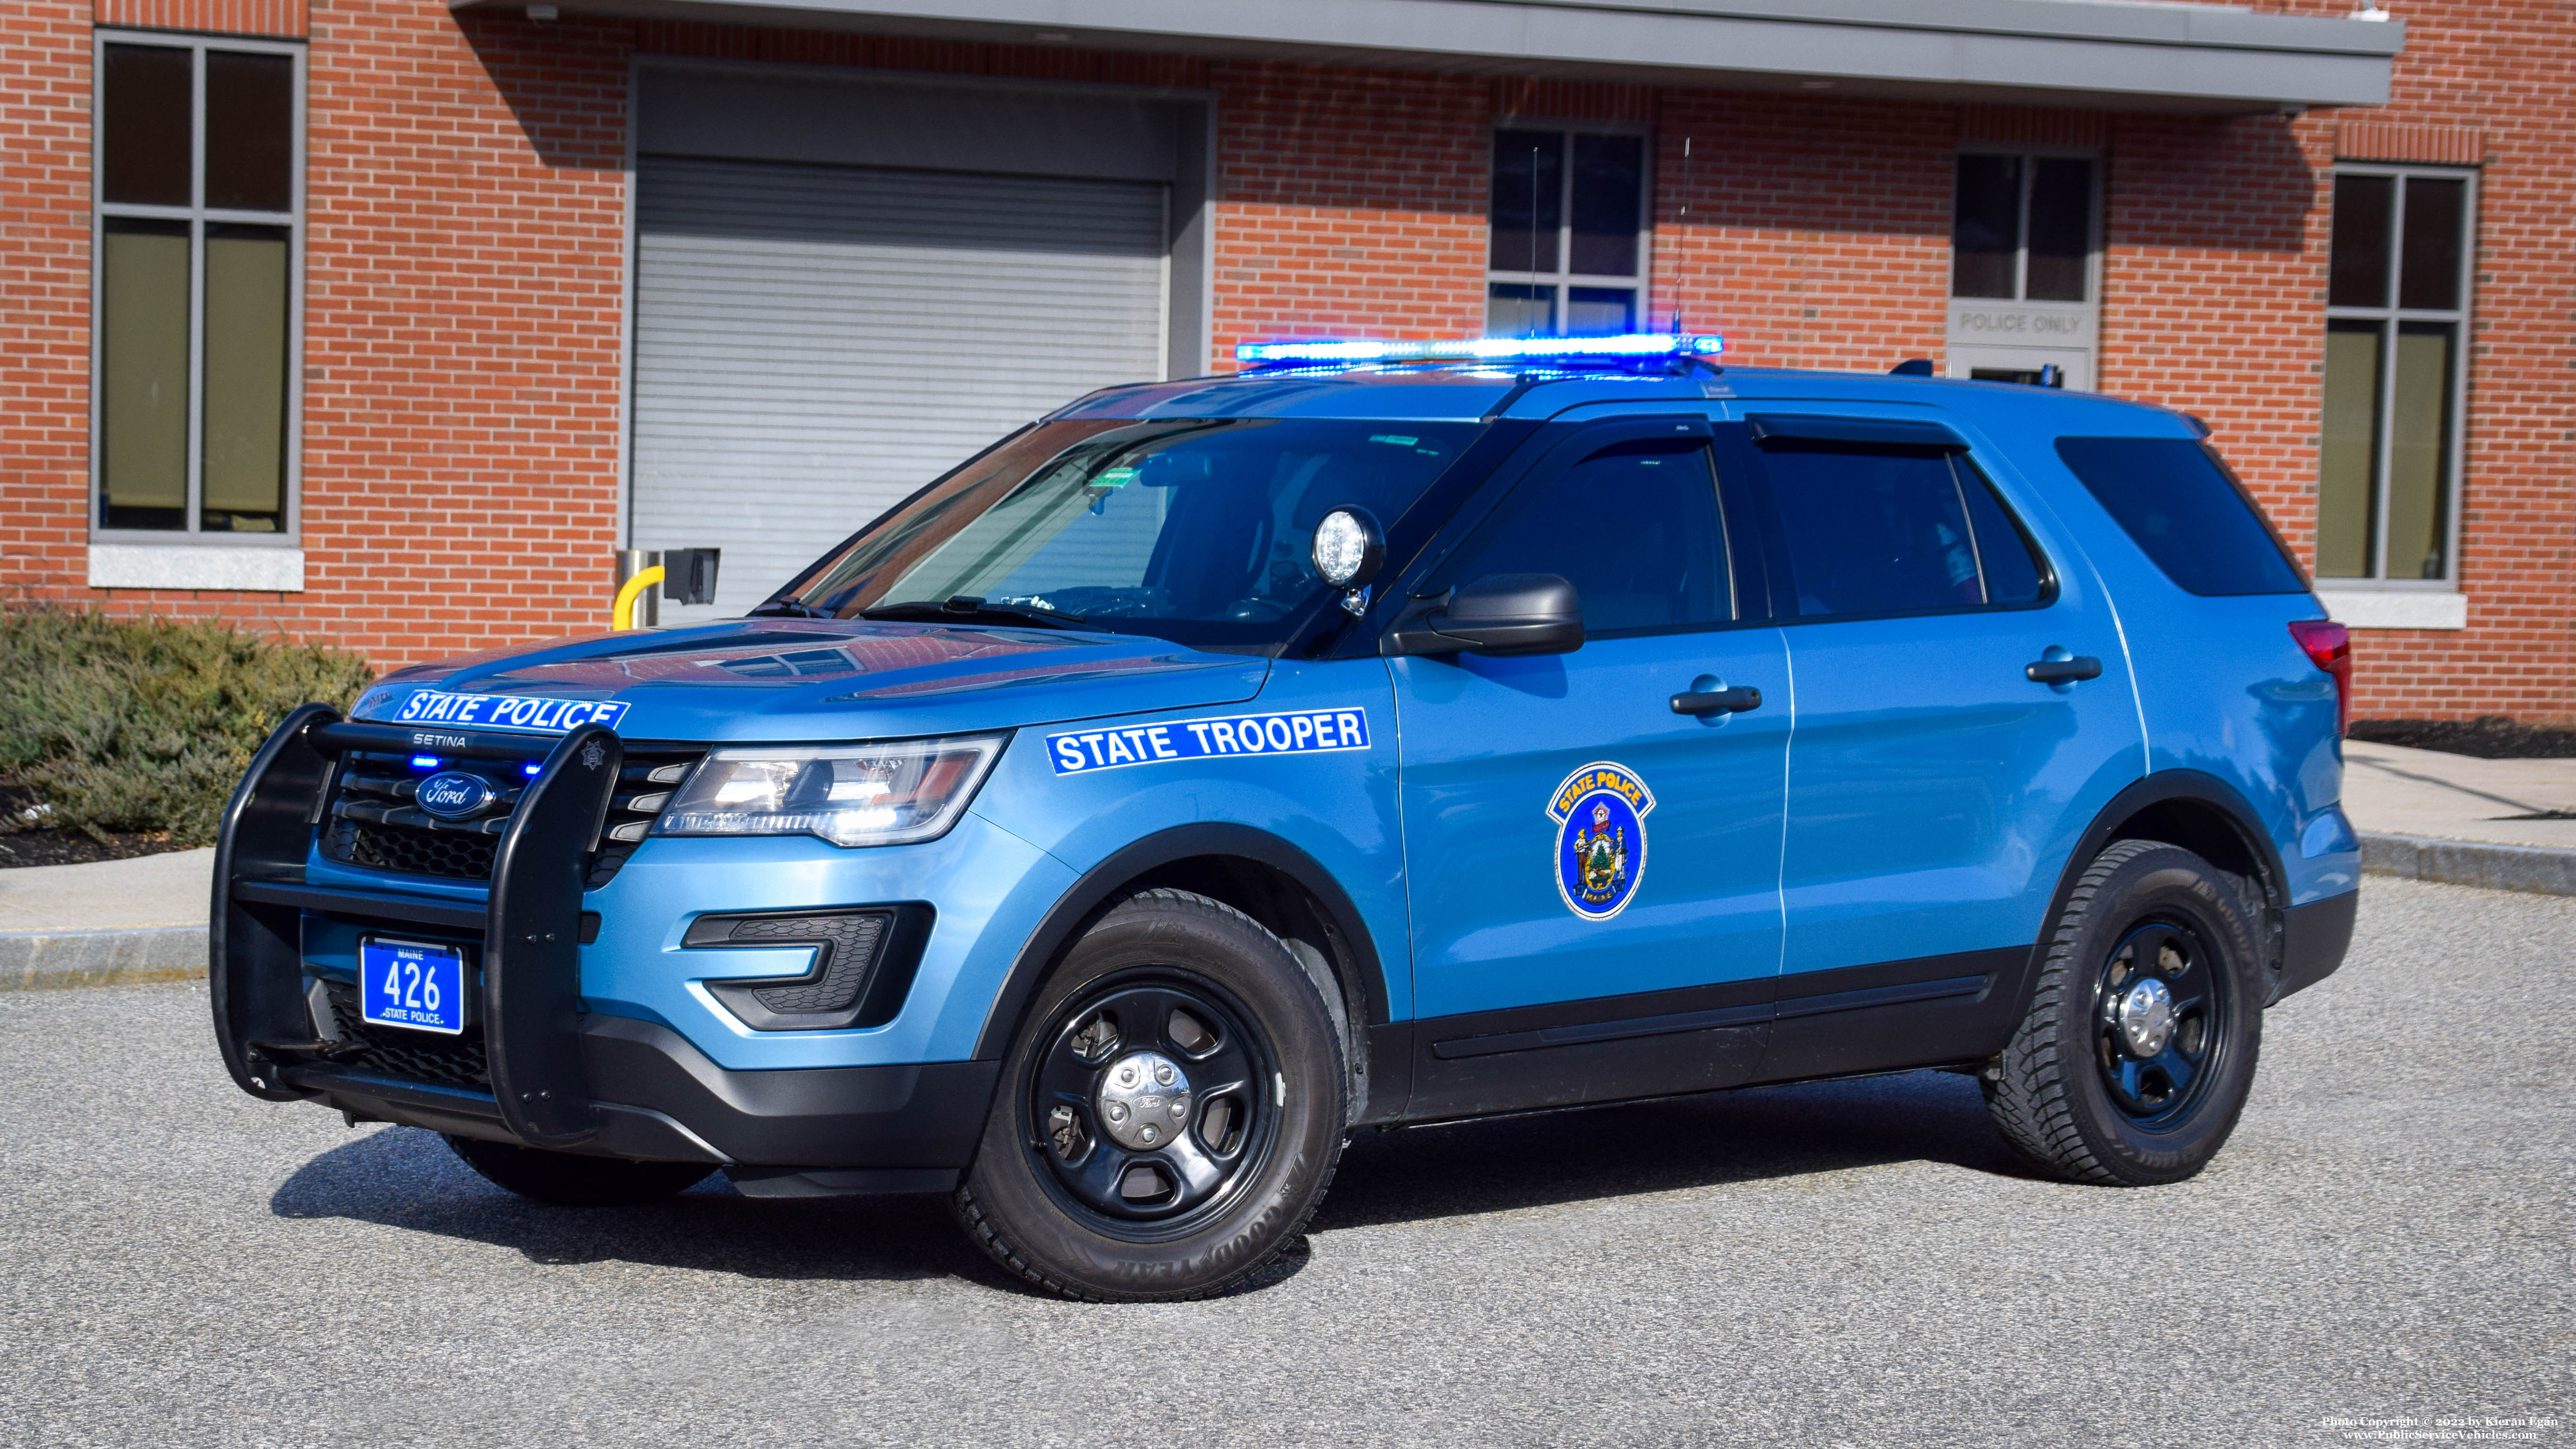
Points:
(832, 679)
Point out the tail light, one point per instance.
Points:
(2329, 647)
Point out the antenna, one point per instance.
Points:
(1550, 324)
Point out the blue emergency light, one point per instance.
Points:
(1478, 349)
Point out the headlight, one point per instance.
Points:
(890, 794)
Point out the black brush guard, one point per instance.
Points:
(530, 928)
(606, 1085)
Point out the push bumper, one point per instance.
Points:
(551, 1075)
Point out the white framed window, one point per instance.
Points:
(2399, 280)
(196, 299)
(1567, 230)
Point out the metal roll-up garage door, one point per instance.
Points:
(812, 343)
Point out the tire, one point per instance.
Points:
(1104, 1178)
(569, 1179)
(2093, 1088)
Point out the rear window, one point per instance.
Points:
(2186, 511)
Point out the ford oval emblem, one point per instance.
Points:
(453, 794)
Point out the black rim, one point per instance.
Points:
(2159, 1019)
(1151, 1103)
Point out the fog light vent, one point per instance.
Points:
(848, 982)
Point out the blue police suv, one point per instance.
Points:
(1380, 735)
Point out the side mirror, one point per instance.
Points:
(1500, 614)
(689, 575)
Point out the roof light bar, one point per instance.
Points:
(1481, 349)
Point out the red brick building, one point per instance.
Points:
(384, 322)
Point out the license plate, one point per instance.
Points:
(412, 984)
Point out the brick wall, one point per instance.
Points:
(2503, 67)
(1349, 201)
(44, 291)
(465, 255)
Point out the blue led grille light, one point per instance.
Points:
(1481, 349)
(424, 762)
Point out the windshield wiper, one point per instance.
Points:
(966, 608)
(786, 609)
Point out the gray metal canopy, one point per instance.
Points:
(2153, 55)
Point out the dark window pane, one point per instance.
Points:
(1518, 309)
(2419, 451)
(1529, 186)
(244, 479)
(2348, 466)
(1985, 226)
(1600, 311)
(2183, 508)
(144, 102)
(1633, 527)
(143, 375)
(2359, 270)
(2003, 555)
(1872, 533)
(2429, 272)
(1609, 189)
(2061, 228)
(250, 131)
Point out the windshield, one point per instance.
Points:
(1190, 530)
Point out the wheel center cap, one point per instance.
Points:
(1144, 1100)
(2146, 1017)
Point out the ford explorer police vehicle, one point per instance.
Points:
(1385, 734)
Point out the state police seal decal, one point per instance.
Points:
(1600, 813)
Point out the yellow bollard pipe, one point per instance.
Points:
(621, 615)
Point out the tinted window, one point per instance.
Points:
(1893, 533)
(1196, 531)
(1634, 527)
(2186, 511)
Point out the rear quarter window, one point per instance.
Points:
(2186, 512)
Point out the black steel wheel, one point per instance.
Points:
(2157, 1029)
(1152, 1102)
(2137, 1054)
(1171, 1112)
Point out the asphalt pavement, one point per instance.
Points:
(2387, 1238)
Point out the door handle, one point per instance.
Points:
(1719, 701)
(2063, 671)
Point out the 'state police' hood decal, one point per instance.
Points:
(1600, 813)
(819, 679)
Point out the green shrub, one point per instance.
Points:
(146, 724)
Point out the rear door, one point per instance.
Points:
(1593, 876)
(1934, 786)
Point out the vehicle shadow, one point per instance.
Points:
(1664, 1146)
(403, 1178)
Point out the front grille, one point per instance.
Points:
(372, 821)
(445, 1061)
(412, 851)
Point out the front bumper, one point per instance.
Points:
(658, 1098)
(548, 1074)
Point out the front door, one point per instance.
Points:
(1594, 876)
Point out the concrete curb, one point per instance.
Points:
(2534, 869)
(42, 960)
